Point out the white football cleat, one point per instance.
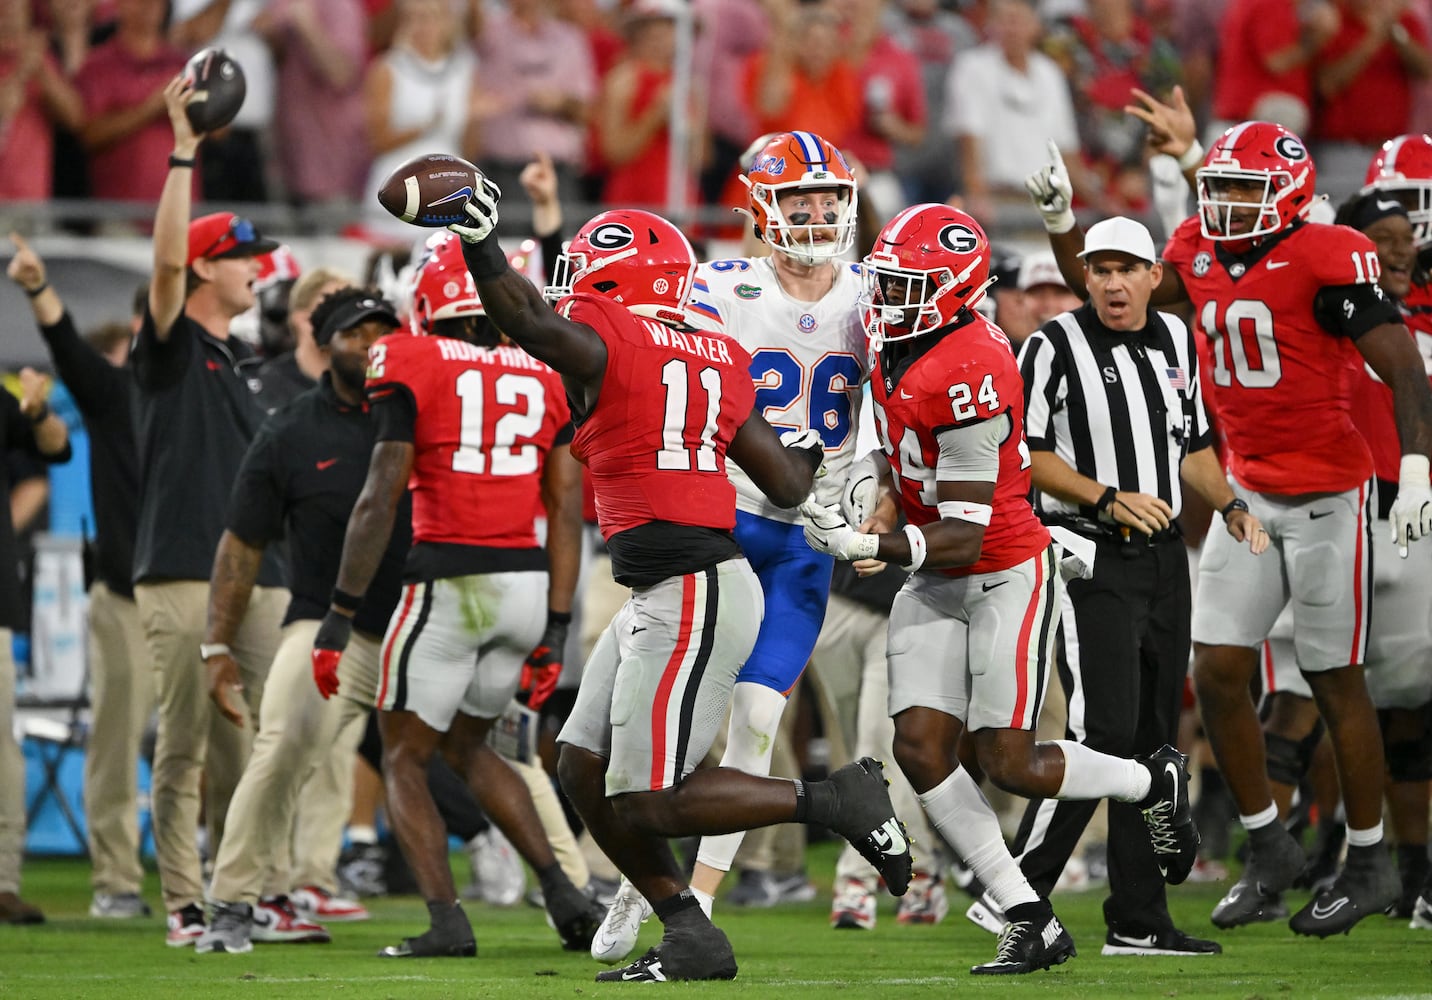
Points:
(616, 937)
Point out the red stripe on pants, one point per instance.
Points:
(409, 591)
(668, 681)
(1025, 631)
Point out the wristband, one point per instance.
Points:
(344, 601)
(485, 260)
(179, 161)
(918, 548)
(208, 650)
(35, 292)
(1413, 472)
(1192, 156)
(559, 618)
(1106, 500)
(1237, 503)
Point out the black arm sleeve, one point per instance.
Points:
(393, 410)
(96, 385)
(1352, 310)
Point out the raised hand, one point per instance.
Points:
(1172, 128)
(481, 209)
(1052, 191)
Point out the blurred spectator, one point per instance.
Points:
(635, 109)
(33, 93)
(732, 32)
(1105, 55)
(1263, 67)
(540, 71)
(1005, 101)
(236, 161)
(934, 35)
(1364, 77)
(122, 84)
(418, 97)
(318, 121)
(1045, 292)
(894, 103)
(299, 369)
(805, 79)
(1194, 33)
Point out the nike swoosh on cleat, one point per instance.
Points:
(1320, 912)
(889, 838)
(1137, 942)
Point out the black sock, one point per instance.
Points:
(1036, 911)
(1265, 835)
(678, 909)
(1412, 863)
(553, 879)
(815, 802)
(448, 918)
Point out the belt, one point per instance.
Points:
(1115, 533)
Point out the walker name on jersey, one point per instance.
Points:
(503, 356)
(709, 348)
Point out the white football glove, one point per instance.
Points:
(1411, 514)
(807, 440)
(861, 493)
(481, 208)
(826, 531)
(1052, 192)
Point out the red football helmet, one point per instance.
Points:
(1260, 154)
(928, 263)
(442, 286)
(1402, 169)
(793, 160)
(632, 257)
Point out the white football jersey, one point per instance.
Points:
(808, 360)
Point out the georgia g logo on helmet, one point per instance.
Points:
(611, 236)
(959, 238)
(1290, 148)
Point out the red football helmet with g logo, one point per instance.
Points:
(443, 288)
(801, 160)
(1261, 155)
(1402, 169)
(632, 257)
(928, 263)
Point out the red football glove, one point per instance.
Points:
(544, 664)
(328, 646)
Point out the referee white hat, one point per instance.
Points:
(1120, 235)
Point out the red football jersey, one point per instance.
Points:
(1282, 382)
(1372, 400)
(969, 376)
(671, 402)
(486, 419)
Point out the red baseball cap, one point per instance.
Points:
(224, 234)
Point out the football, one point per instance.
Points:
(430, 190)
(219, 89)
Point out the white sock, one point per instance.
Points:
(1370, 837)
(1089, 774)
(362, 835)
(959, 810)
(1259, 820)
(750, 740)
(705, 899)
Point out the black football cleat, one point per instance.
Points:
(575, 917)
(685, 955)
(1168, 818)
(1368, 884)
(1258, 895)
(1166, 941)
(865, 817)
(1027, 946)
(433, 945)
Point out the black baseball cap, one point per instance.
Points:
(351, 314)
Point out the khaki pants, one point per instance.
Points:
(12, 775)
(122, 694)
(305, 745)
(194, 739)
(554, 821)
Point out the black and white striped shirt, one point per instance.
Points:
(1121, 408)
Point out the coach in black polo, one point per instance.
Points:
(1114, 415)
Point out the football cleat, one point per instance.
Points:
(575, 917)
(1028, 946)
(118, 906)
(691, 954)
(318, 904)
(230, 930)
(762, 890)
(925, 903)
(432, 945)
(865, 817)
(1368, 884)
(853, 907)
(497, 874)
(1258, 895)
(1170, 823)
(184, 926)
(1168, 941)
(617, 935)
(277, 922)
(1422, 913)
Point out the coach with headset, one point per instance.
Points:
(1114, 417)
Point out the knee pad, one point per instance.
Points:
(1308, 745)
(1410, 760)
(1285, 762)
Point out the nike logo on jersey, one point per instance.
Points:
(905, 395)
(327, 463)
(1315, 514)
(990, 586)
(1273, 265)
(1136, 942)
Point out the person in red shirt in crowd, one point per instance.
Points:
(126, 129)
(731, 32)
(1293, 309)
(34, 97)
(1264, 67)
(634, 112)
(972, 633)
(1364, 76)
(894, 103)
(659, 408)
(805, 75)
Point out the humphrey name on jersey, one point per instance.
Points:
(503, 355)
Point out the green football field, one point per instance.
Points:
(783, 953)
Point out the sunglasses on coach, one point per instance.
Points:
(241, 231)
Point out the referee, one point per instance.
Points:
(1114, 417)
